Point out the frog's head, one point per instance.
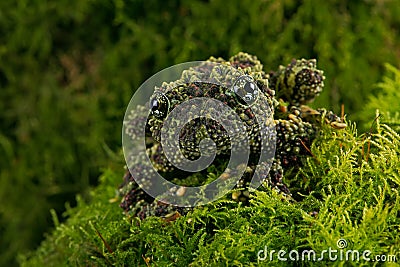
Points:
(239, 84)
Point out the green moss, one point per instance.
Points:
(348, 197)
(386, 102)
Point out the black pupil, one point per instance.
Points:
(249, 87)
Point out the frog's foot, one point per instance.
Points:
(161, 209)
(272, 178)
(142, 167)
(133, 197)
(318, 116)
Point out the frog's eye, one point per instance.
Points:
(246, 90)
(159, 105)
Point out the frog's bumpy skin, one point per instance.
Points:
(298, 83)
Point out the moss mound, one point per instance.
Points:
(352, 204)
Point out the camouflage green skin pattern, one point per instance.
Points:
(296, 127)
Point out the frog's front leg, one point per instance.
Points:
(133, 196)
(271, 176)
(140, 171)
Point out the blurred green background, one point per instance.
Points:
(69, 68)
